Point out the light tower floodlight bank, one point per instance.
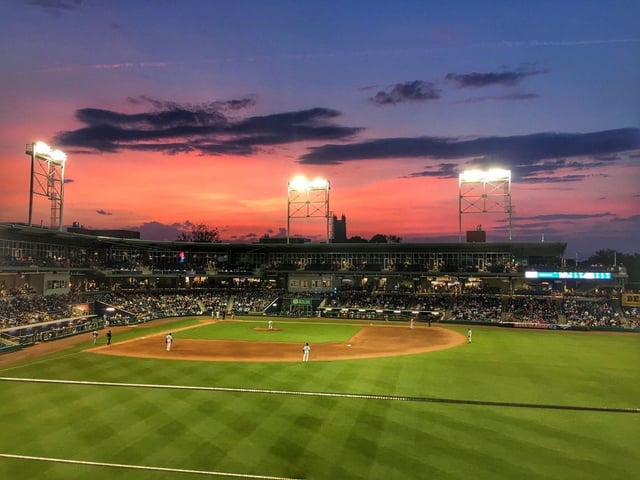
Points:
(308, 199)
(484, 191)
(47, 179)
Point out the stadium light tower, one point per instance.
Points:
(308, 199)
(484, 191)
(47, 179)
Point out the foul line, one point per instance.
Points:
(144, 467)
(330, 394)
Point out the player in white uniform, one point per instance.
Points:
(169, 341)
(305, 352)
(469, 334)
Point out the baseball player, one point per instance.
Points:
(95, 336)
(305, 352)
(169, 341)
(469, 334)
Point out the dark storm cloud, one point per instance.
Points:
(451, 170)
(535, 172)
(550, 179)
(528, 155)
(505, 78)
(172, 128)
(441, 170)
(415, 91)
(164, 119)
(215, 106)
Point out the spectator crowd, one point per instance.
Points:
(25, 309)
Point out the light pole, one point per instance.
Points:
(308, 199)
(47, 179)
(484, 191)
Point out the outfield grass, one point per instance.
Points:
(333, 437)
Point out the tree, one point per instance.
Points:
(200, 233)
(357, 239)
(380, 238)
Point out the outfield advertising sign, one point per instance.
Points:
(631, 299)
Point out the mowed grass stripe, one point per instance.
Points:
(402, 398)
(143, 467)
(319, 437)
(328, 437)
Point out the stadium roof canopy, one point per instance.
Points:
(21, 232)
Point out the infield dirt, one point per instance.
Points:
(369, 342)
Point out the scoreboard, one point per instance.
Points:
(569, 275)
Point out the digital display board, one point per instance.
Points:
(570, 275)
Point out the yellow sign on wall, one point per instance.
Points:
(631, 299)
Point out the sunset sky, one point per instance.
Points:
(175, 113)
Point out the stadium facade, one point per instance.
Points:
(49, 262)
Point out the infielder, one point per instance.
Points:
(469, 334)
(270, 324)
(305, 352)
(169, 341)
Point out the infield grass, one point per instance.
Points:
(284, 331)
(334, 437)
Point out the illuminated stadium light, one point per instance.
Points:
(491, 175)
(302, 184)
(41, 148)
(58, 156)
(484, 191)
(299, 183)
(308, 199)
(47, 179)
(44, 152)
(319, 183)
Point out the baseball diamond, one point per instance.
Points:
(369, 342)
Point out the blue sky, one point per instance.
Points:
(174, 113)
